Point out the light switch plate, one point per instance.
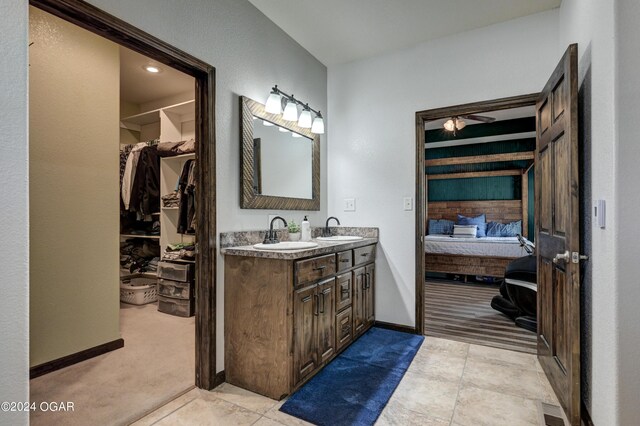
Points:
(408, 203)
(349, 204)
(600, 212)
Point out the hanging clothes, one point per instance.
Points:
(186, 189)
(129, 173)
(145, 191)
(125, 150)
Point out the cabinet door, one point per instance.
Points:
(343, 291)
(369, 311)
(326, 319)
(305, 332)
(359, 291)
(344, 328)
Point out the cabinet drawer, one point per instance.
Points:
(175, 271)
(177, 307)
(344, 329)
(364, 255)
(175, 289)
(345, 260)
(344, 287)
(310, 270)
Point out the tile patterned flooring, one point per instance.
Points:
(448, 383)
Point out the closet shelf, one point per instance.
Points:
(179, 157)
(170, 208)
(153, 237)
(179, 260)
(133, 122)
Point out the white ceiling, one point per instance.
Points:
(139, 86)
(338, 31)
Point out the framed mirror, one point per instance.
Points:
(280, 161)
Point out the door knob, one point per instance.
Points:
(561, 256)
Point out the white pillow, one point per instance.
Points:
(465, 231)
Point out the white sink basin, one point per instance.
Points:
(340, 238)
(286, 245)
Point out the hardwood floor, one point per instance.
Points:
(463, 312)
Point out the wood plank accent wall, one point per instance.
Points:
(476, 159)
(469, 175)
(496, 210)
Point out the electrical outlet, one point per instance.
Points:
(349, 204)
(408, 203)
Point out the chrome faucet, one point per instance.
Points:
(271, 237)
(326, 232)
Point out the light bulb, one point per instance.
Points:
(449, 125)
(267, 123)
(152, 69)
(274, 103)
(460, 124)
(318, 125)
(290, 111)
(305, 119)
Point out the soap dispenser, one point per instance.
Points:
(305, 229)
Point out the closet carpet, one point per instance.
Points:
(463, 312)
(156, 365)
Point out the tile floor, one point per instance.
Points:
(448, 383)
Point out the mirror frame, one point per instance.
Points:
(248, 198)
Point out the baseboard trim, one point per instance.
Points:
(65, 361)
(395, 327)
(584, 413)
(219, 379)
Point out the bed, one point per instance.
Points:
(476, 256)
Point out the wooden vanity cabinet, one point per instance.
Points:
(314, 325)
(286, 319)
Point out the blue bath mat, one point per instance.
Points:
(356, 386)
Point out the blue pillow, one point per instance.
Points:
(481, 221)
(440, 227)
(512, 229)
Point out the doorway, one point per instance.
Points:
(126, 36)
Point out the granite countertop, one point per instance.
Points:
(324, 247)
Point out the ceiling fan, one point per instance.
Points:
(457, 123)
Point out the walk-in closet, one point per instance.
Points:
(112, 212)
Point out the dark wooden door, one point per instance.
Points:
(344, 284)
(369, 314)
(305, 332)
(326, 320)
(557, 233)
(359, 300)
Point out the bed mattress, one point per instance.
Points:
(488, 246)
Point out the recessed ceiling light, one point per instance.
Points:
(152, 69)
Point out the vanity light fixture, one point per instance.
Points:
(275, 103)
(290, 111)
(305, 118)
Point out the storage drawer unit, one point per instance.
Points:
(310, 270)
(364, 255)
(175, 289)
(344, 328)
(177, 307)
(345, 260)
(175, 271)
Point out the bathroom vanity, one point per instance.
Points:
(289, 313)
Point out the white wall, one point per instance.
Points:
(590, 23)
(628, 195)
(14, 226)
(372, 135)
